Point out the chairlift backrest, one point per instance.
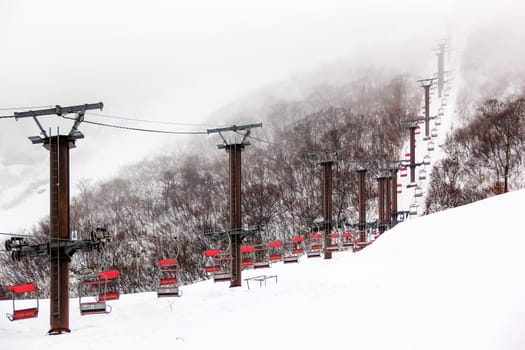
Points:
(21, 314)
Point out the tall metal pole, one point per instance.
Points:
(441, 69)
(387, 188)
(58, 147)
(412, 154)
(235, 211)
(394, 198)
(327, 206)
(362, 204)
(427, 110)
(380, 203)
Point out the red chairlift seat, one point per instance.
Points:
(418, 130)
(247, 259)
(334, 245)
(403, 172)
(275, 251)
(347, 240)
(168, 281)
(421, 119)
(261, 256)
(104, 285)
(111, 285)
(21, 314)
(315, 245)
(211, 253)
(219, 265)
(294, 248)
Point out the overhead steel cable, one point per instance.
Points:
(16, 108)
(104, 115)
(146, 130)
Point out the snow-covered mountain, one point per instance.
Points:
(450, 280)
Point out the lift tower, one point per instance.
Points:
(236, 232)
(60, 248)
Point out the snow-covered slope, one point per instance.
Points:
(451, 280)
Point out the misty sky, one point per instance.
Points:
(178, 61)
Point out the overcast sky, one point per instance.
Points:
(177, 61)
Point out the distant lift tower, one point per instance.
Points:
(426, 84)
(61, 247)
(236, 231)
(326, 159)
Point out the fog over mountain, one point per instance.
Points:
(191, 63)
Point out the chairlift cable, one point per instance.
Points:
(148, 121)
(146, 130)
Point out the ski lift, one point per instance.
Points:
(219, 265)
(334, 243)
(421, 119)
(293, 250)
(399, 188)
(407, 157)
(412, 209)
(430, 146)
(359, 244)
(315, 245)
(418, 192)
(418, 130)
(426, 159)
(168, 281)
(422, 174)
(403, 172)
(262, 259)
(247, 256)
(17, 291)
(275, 251)
(219, 261)
(434, 132)
(347, 240)
(97, 289)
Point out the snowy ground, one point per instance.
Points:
(451, 280)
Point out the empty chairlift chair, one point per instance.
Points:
(22, 291)
(434, 132)
(426, 159)
(334, 243)
(412, 209)
(315, 245)
(430, 146)
(95, 290)
(399, 188)
(403, 172)
(218, 265)
(247, 254)
(275, 251)
(347, 240)
(418, 192)
(293, 250)
(168, 280)
(261, 253)
(422, 174)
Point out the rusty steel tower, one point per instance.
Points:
(60, 248)
(235, 231)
